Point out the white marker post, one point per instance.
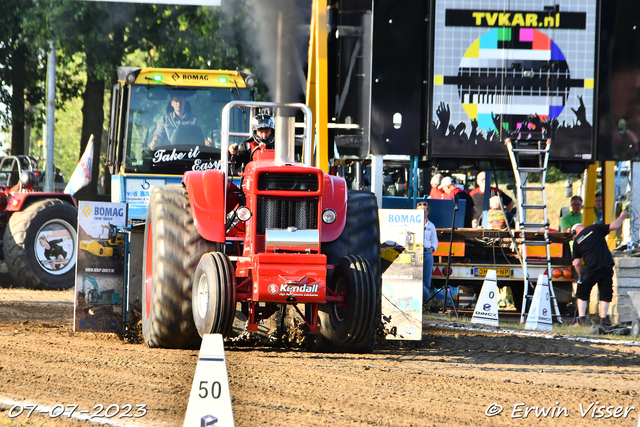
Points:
(486, 311)
(210, 399)
(539, 316)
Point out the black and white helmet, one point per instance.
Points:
(260, 122)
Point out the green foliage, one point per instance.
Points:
(21, 59)
(66, 138)
(92, 39)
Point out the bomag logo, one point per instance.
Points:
(195, 77)
(86, 211)
(109, 211)
(175, 76)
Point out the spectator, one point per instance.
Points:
(430, 244)
(574, 217)
(477, 194)
(598, 212)
(497, 221)
(590, 246)
(451, 191)
(436, 192)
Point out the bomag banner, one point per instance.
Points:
(401, 235)
(519, 70)
(100, 267)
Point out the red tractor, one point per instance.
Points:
(287, 234)
(38, 229)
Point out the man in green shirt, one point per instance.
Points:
(574, 217)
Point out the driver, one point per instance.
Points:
(263, 127)
(168, 123)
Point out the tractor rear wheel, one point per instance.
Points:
(40, 244)
(361, 238)
(172, 248)
(350, 326)
(214, 295)
(361, 234)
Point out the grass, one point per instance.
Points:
(555, 201)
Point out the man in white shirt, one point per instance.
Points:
(430, 245)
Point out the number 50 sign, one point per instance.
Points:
(210, 399)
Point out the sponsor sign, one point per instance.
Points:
(99, 287)
(402, 235)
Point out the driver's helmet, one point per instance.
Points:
(263, 121)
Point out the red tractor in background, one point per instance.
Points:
(38, 229)
(287, 234)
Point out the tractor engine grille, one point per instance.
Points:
(287, 182)
(281, 212)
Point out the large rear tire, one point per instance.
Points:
(172, 248)
(350, 326)
(214, 295)
(47, 226)
(361, 237)
(361, 234)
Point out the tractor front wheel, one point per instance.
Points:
(214, 295)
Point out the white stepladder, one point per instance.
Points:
(530, 158)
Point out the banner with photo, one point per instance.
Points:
(100, 292)
(401, 238)
(519, 70)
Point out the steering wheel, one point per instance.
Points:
(260, 145)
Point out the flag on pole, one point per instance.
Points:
(82, 174)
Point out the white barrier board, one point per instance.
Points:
(539, 316)
(486, 312)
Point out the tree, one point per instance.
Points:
(173, 36)
(100, 33)
(21, 67)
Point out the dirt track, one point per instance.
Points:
(452, 377)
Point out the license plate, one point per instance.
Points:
(501, 272)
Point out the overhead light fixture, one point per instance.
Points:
(249, 79)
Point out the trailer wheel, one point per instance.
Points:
(214, 295)
(172, 249)
(40, 244)
(350, 326)
(635, 328)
